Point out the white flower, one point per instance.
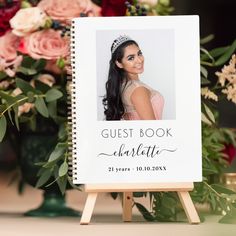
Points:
(47, 79)
(27, 20)
(150, 2)
(206, 93)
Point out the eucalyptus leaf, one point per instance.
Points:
(57, 152)
(26, 71)
(2, 108)
(9, 115)
(30, 96)
(15, 108)
(52, 108)
(32, 122)
(24, 86)
(3, 127)
(53, 94)
(41, 86)
(63, 169)
(27, 61)
(39, 64)
(62, 183)
(41, 107)
(43, 178)
(10, 99)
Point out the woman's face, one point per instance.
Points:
(133, 60)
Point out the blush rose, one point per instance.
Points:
(28, 20)
(47, 44)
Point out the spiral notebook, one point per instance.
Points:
(137, 151)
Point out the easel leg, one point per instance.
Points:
(189, 208)
(127, 206)
(88, 208)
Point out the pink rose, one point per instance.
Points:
(47, 44)
(9, 60)
(64, 11)
(27, 20)
(8, 45)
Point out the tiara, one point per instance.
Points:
(120, 40)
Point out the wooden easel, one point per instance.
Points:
(181, 188)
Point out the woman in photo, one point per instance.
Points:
(127, 98)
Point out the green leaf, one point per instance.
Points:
(10, 116)
(32, 122)
(216, 52)
(30, 96)
(168, 202)
(16, 118)
(62, 183)
(39, 64)
(206, 55)
(145, 213)
(3, 127)
(41, 86)
(2, 108)
(27, 71)
(207, 39)
(24, 86)
(53, 94)
(205, 119)
(226, 56)
(57, 152)
(213, 201)
(222, 189)
(27, 61)
(10, 99)
(41, 107)
(204, 81)
(63, 169)
(209, 113)
(43, 178)
(208, 171)
(60, 63)
(204, 71)
(2, 75)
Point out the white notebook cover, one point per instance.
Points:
(137, 151)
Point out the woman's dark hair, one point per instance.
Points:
(112, 102)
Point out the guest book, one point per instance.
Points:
(167, 149)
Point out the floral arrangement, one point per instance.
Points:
(34, 64)
(34, 69)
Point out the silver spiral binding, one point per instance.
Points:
(72, 109)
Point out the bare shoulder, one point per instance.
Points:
(140, 93)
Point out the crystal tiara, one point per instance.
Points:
(117, 42)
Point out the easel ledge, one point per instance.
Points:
(182, 190)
